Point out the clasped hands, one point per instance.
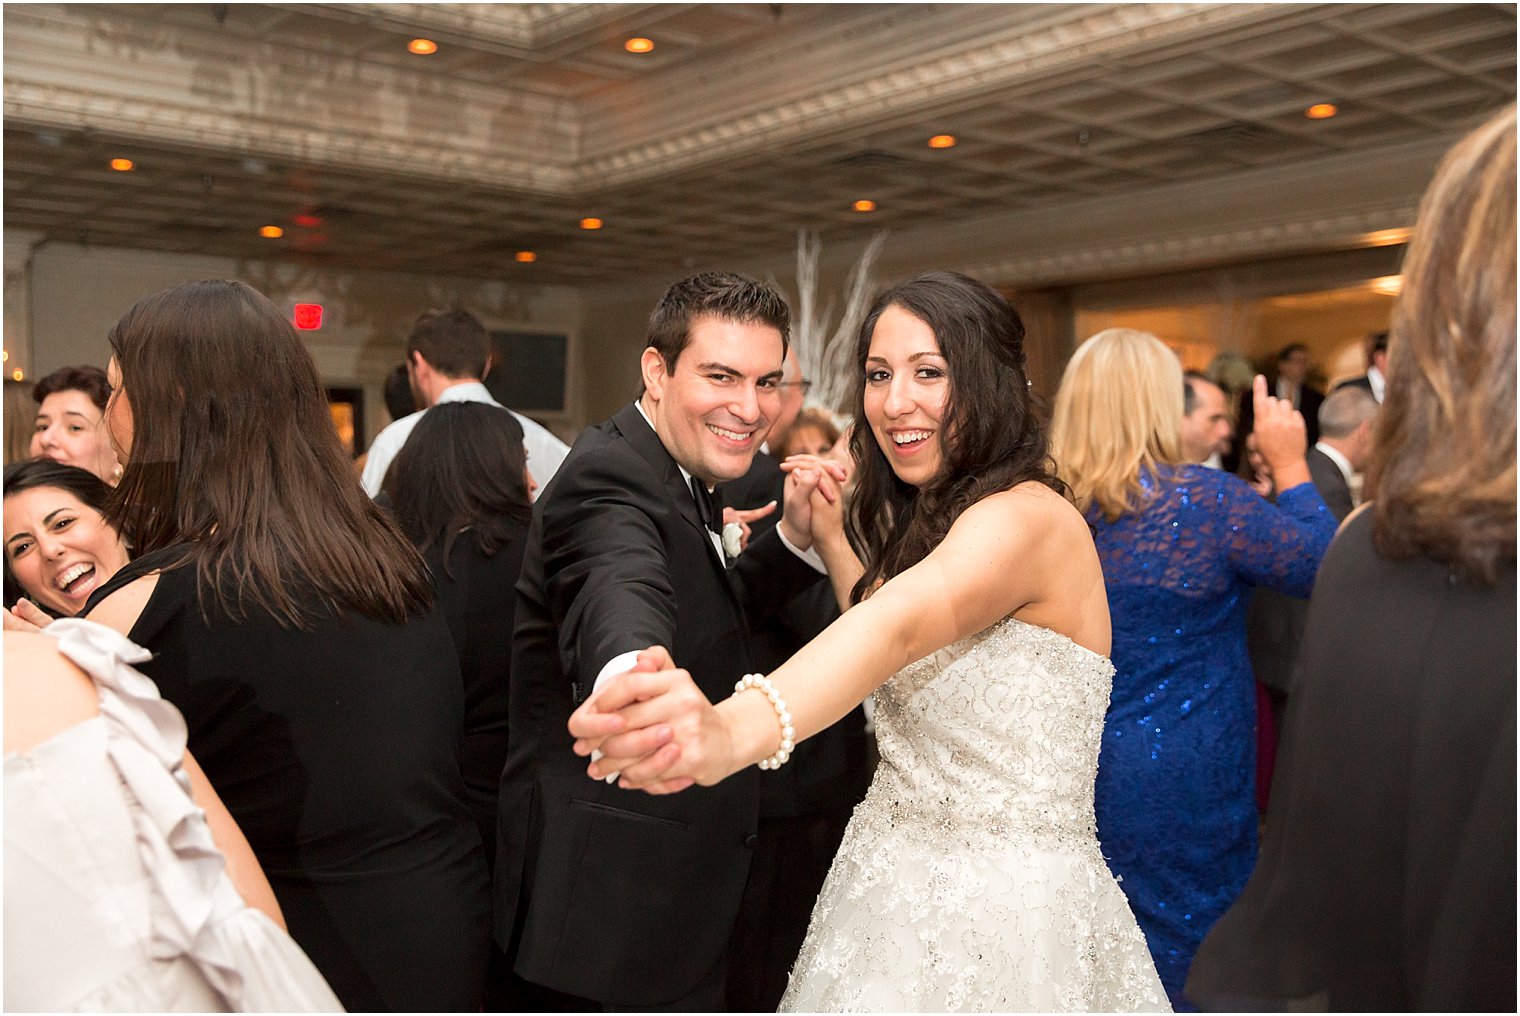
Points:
(653, 728)
(811, 481)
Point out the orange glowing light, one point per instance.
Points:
(271, 232)
(422, 47)
(526, 257)
(17, 375)
(123, 165)
(865, 205)
(1322, 111)
(639, 44)
(591, 223)
(942, 141)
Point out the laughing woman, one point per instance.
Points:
(58, 547)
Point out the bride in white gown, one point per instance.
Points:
(970, 878)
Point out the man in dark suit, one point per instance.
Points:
(805, 805)
(1292, 383)
(1346, 422)
(618, 900)
(1376, 378)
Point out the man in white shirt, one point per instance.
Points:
(447, 354)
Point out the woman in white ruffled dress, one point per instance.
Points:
(128, 887)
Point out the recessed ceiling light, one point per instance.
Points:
(639, 44)
(865, 205)
(1322, 111)
(526, 257)
(591, 223)
(271, 232)
(422, 47)
(942, 141)
(123, 165)
(17, 374)
(5, 356)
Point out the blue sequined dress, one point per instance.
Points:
(1175, 800)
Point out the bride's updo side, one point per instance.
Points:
(992, 437)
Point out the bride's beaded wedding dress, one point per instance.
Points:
(970, 878)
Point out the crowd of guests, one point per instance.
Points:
(341, 650)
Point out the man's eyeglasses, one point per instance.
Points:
(805, 386)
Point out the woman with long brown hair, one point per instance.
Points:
(292, 624)
(1387, 879)
(461, 491)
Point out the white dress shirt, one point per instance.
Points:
(545, 451)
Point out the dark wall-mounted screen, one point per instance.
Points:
(528, 370)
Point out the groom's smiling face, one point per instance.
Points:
(714, 407)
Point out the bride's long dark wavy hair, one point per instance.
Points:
(992, 436)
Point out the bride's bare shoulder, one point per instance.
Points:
(1032, 505)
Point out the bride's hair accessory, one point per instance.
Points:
(761, 683)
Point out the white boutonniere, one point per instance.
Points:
(733, 535)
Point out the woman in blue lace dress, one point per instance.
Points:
(1181, 547)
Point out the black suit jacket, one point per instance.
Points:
(832, 769)
(603, 893)
(1330, 482)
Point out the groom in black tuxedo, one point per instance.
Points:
(615, 898)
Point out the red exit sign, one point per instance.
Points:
(307, 316)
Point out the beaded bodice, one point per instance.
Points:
(996, 736)
(970, 879)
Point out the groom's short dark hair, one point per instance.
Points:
(722, 295)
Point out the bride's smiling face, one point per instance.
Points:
(907, 386)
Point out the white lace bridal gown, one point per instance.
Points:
(970, 878)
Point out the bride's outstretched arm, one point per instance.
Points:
(997, 559)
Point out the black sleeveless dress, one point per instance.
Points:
(477, 596)
(337, 750)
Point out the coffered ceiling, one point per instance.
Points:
(745, 123)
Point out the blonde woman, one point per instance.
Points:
(1181, 546)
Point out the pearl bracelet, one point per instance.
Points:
(762, 683)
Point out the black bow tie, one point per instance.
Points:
(709, 506)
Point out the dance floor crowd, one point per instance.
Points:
(958, 699)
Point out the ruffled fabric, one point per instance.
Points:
(195, 913)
